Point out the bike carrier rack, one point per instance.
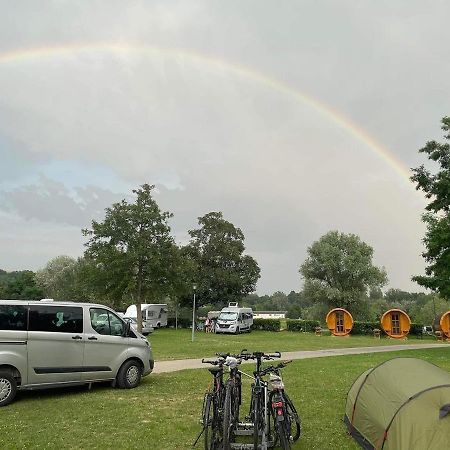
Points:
(246, 429)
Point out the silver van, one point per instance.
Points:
(46, 344)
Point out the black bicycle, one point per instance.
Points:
(259, 413)
(212, 411)
(221, 404)
(284, 419)
(232, 401)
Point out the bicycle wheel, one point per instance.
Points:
(208, 422)
(228, 419)
(256, 417)
(283, 434)
(295, 423)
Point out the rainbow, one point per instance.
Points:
(238, 70)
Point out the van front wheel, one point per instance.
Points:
(8, 388)
(129, 375)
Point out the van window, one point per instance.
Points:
(56, 319)
(104, 322)
(13, 317)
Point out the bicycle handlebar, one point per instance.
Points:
(214, 362)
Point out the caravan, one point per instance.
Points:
(233, 319)
(153, 315)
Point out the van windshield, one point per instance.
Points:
(228, 315)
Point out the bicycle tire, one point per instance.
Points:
(283, 434)
(256, 413)
(228, 416)
(208, 422)
(294, 418)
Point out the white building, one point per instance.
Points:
(269, 314)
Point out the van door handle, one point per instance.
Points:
(77, 337)
(92, 338)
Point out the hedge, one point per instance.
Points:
(182, 322)
(368, 327)
(365, 327)
(302, 325)
(416, 329)
(266, 324)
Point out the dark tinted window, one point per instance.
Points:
(57, 319)
(13, 317)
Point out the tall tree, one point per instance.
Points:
(58, 279)
(132, 251)
(436, 186)
(339, 271)
(19, 285)
(223, 272)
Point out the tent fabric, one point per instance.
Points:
(400, 405)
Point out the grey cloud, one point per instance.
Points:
(52, 202)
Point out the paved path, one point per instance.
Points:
(181, 364)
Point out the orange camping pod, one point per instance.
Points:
(339, 322)
(396, 323)
(442, 323)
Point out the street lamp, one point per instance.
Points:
(193, 313)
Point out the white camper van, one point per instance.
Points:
(233, 319)
(153, 314)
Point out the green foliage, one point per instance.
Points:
(183, 322)
(63, 279)
(436, 186)
(266, 324)
(339, 271)
(132, 256)
(222, 272)
(425, 312)
(416, 329)
(365, 327)
(302, 325)
(19, 285)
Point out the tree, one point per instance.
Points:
(19, 285)
(339, 271)
(132, 252)
(60, 279)
(221, 270)
(436, 187)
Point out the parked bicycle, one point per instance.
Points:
(213, 406)
(221, 404)
(284, 419)
(272, 412)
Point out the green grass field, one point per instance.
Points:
(177, 344)
(163, 412)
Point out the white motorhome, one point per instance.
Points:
(234, 319)
(153, 314)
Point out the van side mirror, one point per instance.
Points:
(126, 331)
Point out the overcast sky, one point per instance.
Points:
(225, 106)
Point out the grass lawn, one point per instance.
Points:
(163, 412)
(176, 344)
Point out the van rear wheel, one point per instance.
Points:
(8, 388)
(129, 375)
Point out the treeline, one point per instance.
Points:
(421, 307)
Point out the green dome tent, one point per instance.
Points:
(402, 404)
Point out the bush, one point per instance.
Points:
(266, 324)
(182, 322)
(365, 327)
(416, 329)
(302, 325)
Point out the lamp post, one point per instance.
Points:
(193, 313)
